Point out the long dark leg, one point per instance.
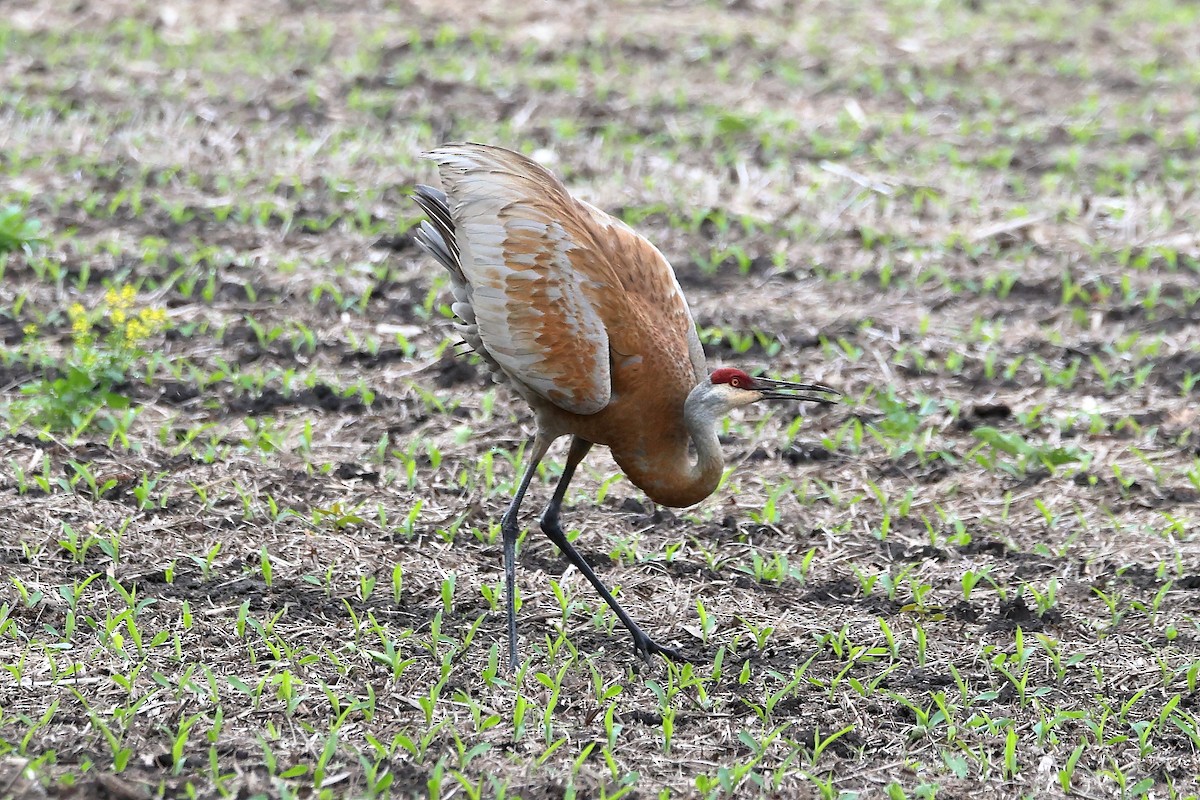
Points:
(508, 529)
(643, 645)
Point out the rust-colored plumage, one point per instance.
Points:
(585, 320)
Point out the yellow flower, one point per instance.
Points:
(120, 299)
(154, 318)
(30, 329)
(117, 316)
(135, 331)
(80, 324)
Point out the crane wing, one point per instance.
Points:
(555, 283)
(650, 286)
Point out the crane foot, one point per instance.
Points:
(645, 647)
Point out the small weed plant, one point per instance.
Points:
(18, 231)
(87, 386)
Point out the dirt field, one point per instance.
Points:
(250, 500)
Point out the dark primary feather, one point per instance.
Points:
(436, 236)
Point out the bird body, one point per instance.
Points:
(585, 319)
(581, 315)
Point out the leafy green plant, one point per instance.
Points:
(1028, 455)
(17, 231)
(86, 387)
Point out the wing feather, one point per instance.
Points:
(555, 283)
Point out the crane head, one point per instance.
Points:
(738, 389)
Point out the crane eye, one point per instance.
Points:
(736, 383)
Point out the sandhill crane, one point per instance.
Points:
(585, 320)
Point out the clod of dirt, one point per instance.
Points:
(991, 411)
(846, 745)
(348, 471)
(368, 359)
(983, 546)
(983, 413)
(922, 678)
(646, 513)
(758, 454)
(643, 717)
(657, 516)
(116, 788)
(266, 401)
(453, 371)
(319, 396)
(1133, 574)
(895, 550)
(1015, 613)
(632, 505)
(16, 375)
(397, 243)
(806, 454)
(838, 590)
(964, 611)
(177, 393)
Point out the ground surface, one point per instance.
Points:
(249, 504)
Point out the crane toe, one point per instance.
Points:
(646, 648)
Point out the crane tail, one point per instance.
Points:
(429, 240)
(436, 235)
(436, 206)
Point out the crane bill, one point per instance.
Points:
(787, 390)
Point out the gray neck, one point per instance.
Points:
(701, 416)
(672, 476)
